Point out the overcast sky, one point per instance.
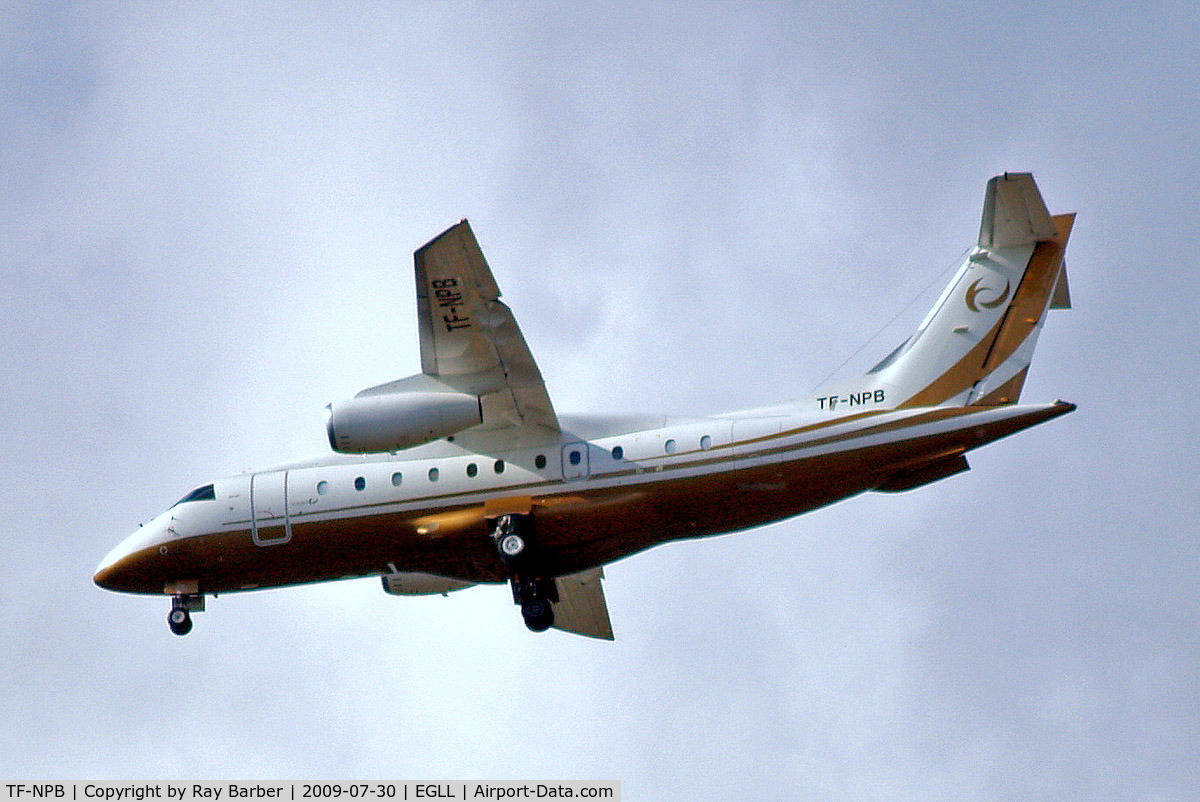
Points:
(207, 219)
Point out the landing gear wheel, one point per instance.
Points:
(539, 614)
(512, 545)
(536, 596)
(513, 539)
(180, 621)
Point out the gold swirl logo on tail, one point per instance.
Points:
(974, 302)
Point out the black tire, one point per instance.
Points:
(180, 621)
(539, 614)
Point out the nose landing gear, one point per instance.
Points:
(513, 536)
(179, 620)
(182, 605)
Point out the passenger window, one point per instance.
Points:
(670, 446)
(472, 469)
(433, 474)
(499, 466)
(322, 488)
(540, 461)
(575, 458)
(397, 479)
(360, 483)
(706, 442)
(618, 453)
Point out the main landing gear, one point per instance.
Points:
(182, 605)
(512, 535)
(509, 541)
(535, 597)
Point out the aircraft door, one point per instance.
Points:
(752, 436)
(575, 464)
(269, 520)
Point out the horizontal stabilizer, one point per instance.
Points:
(1014, 213)
(581, 608)
(1061, 299)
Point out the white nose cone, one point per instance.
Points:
(119, 552)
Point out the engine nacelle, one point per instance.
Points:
(391, 421)
(415, 583)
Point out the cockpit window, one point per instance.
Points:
(206, 493)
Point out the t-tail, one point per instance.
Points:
(975, 345)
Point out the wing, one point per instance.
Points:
(581, 607)
(470, 339)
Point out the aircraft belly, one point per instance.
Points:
(692, 508)
(588, 533)
(574, 531)
(343, 548)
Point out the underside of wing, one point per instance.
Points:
(469, 338)
(581, 608)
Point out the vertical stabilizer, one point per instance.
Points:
(975, 345)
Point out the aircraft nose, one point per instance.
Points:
(106, 576)
(126, 568)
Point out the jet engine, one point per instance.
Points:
(393, 421)
(415, 583)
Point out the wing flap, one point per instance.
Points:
(581, 608)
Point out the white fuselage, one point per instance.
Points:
(759, 467)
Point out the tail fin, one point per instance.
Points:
(975, 345)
